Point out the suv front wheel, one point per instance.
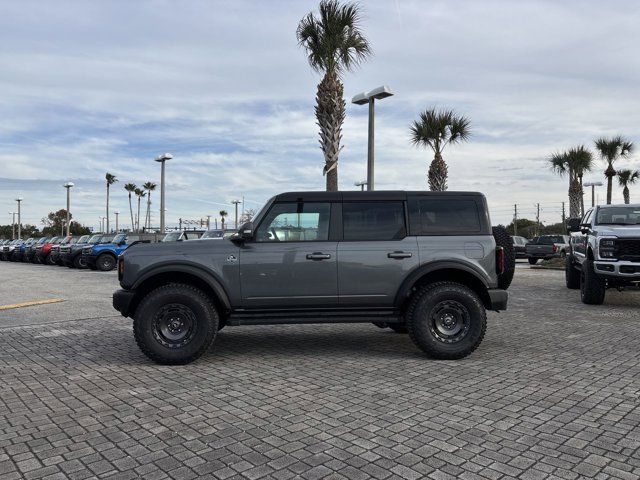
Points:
(592, 287)
(175, 324)
(446, 320)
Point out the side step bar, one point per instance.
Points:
(297, 317)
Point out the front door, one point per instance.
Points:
(290, 262)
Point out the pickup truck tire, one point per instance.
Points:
(446, 320)
(592, 287)
(533, 261)
(105, 262)
(504, 240)
(175, 324)
(571, 273)
(48, 260)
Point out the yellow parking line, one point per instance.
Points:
(31, 304)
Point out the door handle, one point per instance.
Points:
(399, 255)
(318, 256)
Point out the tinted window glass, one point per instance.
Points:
(373, 221)
(443, 216)
(295, 222)
(550, 240)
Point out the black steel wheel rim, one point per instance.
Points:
(174, 325)
(107, 263)
(449, 321)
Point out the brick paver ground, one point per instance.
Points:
(553, 392)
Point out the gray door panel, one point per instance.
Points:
(289, 274)
(371, 272)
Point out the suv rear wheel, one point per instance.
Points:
(446, 320)
(592, 287)
(175, 324)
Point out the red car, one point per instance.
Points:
(43, 251)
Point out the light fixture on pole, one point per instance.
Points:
(162, 158)
(369, 98)
(361, 185)
(117, 214)
(13, 225)
(236, 202)
(19, 200)
(68, 186)
(593, 186)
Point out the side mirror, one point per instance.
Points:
(246, 231)
(573, 225)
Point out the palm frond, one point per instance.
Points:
(110, 178)
(437, 128)
(627, 177)
(130, 187)
(559, 162)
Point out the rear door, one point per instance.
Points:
(375, 253)
(291, 261)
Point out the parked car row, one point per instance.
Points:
(96, 252)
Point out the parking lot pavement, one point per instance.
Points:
(552, 392)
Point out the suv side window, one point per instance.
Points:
(373, 221)
(442, 216)
(587, 217)
(295, 222)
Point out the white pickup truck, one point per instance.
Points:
(545, 247)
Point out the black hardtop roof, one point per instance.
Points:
(367, 195)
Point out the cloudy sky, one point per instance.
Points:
(93, 86)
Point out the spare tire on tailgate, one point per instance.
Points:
(503, 239)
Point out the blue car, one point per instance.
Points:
(104, 256)
(20, 249)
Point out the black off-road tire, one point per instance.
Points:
(504, 240)
(48, 260)
(592, 287)
(106, 262)
(399, 327)
(430, 306)
(161, 307)
(78, 263)
(533, 261)
(571, 273)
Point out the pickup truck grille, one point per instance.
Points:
(628, 249)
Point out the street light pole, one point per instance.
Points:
(361, 185)
(236, 202)
(117, 213)
(162, 158)
(68, 186)
(19, 200)
(369, 98)
(593, 186)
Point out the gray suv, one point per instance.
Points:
(605, 251)
(425, 263)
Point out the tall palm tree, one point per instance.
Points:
(111, 179)
(573, 163)
(626, 178)
(139, 193)
(436, 129)
(149, 187)
(334, 44)
(131, 187)
(223, 213)
(612, 149)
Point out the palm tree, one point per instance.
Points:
(574, 163)
(131, 187)
(149, 187)
(626, 178)
(139, 193)
(223, 213)
(334, 44)
(437, 129)
(111, 179)
(612, 149)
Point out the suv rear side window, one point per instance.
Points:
(373, 221)
(295, 222)
(430, 216)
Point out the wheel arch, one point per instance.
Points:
(182, 274)
(443, 271)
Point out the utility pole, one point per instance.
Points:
(564, 217)
(515, 220)
(216, 222)
(236, 202)
(19, 200)
(180, 223)
(537, 220)
(208, 221)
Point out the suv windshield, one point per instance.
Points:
(118, 238)
(172, 237)
(618, 216)
(83, 239)
(95, 239)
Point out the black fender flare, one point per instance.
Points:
(209, 278)
(432, 267)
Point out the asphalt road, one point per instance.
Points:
(552, 392)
